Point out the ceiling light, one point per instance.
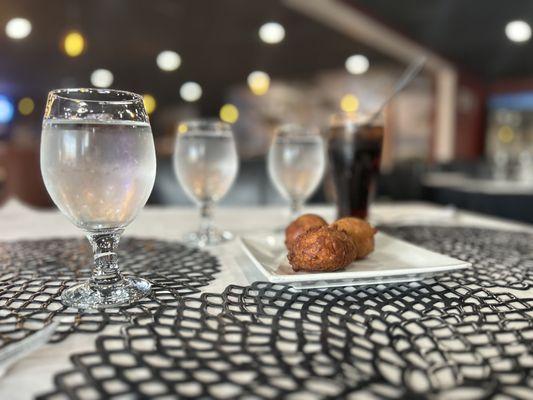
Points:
(272, 32)
(357, 64)
(229, 113)
(149, 103)
(102, 78)
(349, 103)
(190, 91)
(518, 31)
(74, 44)
(26, 106)
(168, 60)
(259, 82)
(18, 28)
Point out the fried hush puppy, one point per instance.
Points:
(361, 233)
(322, 249)
(301, 225)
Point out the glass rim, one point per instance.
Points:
(203, 124)
(301, 129)
(346, 119)
(63, 94)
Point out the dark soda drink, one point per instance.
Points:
(354, 157)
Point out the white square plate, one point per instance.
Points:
(393, 260)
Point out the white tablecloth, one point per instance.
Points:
(34, 374)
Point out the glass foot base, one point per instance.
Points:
(213, 238)
(86, 296)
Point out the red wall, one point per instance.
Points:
(471, 118)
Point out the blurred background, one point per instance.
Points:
(461, 134)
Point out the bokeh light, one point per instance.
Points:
(150, 103)
(505, 134)
(18, 28)
(349, 103)
(102, 78)
(182, 127)
(6, 109)
(190, 91)
(518, 31)
(259, 82)
(26, 106)
(357, 64)
(272, 32)
(73, 44)
(229, 113)
(168, 60)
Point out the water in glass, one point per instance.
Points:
(206, 165)
(99, 174)
(296, 165)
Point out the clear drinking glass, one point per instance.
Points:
(98, 163)
(206, 165)
(296, 163)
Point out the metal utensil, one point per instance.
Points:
(15, 351)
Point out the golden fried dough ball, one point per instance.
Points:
(360, 231)
(300, 225)
(322, 249)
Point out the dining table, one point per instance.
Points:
(213, 327)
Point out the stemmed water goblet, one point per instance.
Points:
(296, 163)
(98, 164)
(206, 165)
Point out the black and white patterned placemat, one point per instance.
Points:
(466, 334)
(33, 275)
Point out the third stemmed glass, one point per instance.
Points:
(98, 164)
(296, 163)
(206, 164)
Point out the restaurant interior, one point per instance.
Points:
(281, 199)
(460, 134)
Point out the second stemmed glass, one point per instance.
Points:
(296, 163)
(206, 165)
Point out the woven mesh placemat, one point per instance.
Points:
(459, 335)
(34, 273)
(501, 259)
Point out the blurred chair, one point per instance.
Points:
(403, 182)
(3, 173)
(24, 180)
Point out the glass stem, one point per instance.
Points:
(296, 209)
(105, 271)
(206, 218)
